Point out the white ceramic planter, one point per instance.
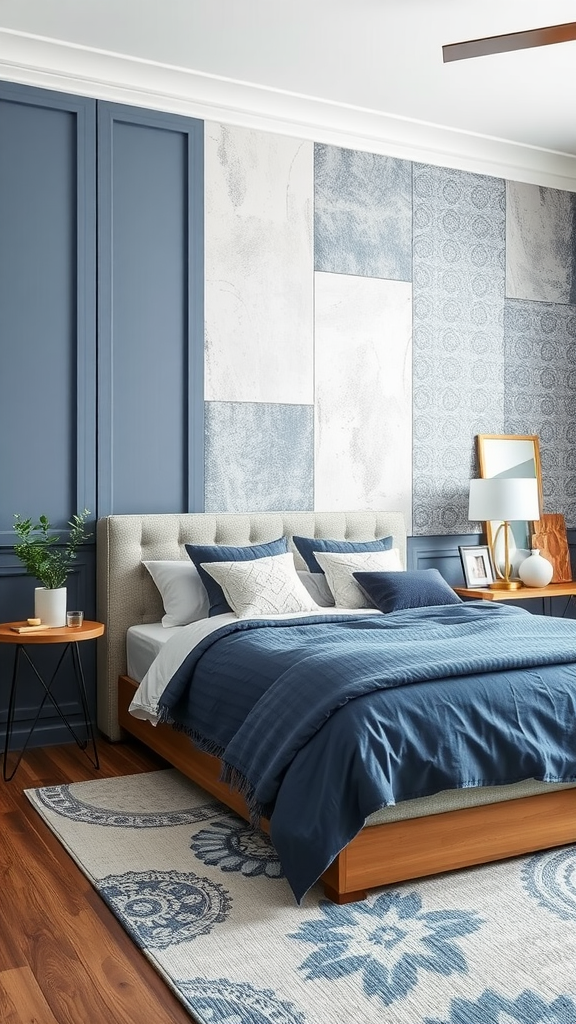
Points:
(50, 606)
(536, 571)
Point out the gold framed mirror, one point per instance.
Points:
(511, 455)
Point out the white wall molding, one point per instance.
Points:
(67, 67)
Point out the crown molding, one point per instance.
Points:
(72, 68)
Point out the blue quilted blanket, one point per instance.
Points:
(320, 721)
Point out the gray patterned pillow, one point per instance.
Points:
(317, 587)
(262, 586)
(339, 570)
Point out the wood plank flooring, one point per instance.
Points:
(64, 958)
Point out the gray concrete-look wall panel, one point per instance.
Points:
(362, 214)
(259, 457)
(540, 243)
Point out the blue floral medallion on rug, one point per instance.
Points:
(204, 897)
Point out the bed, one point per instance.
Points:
(438, 833)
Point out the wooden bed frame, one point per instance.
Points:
(380, 854)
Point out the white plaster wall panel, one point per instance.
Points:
(258, 457)
(258, 266)
(458, 346)
(540, 243)
(363, 409)
(540, 382)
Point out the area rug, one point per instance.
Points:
(205, 899)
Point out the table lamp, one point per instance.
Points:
(504, 499)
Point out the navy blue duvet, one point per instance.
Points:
(323, 720)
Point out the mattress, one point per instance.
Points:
(144, 642)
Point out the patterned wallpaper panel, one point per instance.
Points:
(540, 388)
(458, 357)
(367, 316)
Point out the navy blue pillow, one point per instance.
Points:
(226, 553)
(308, 545)
(416, 588)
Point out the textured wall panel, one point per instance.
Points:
(362, 214)
(540, 383)
(259, 458)
(259, 277)
(459, 224)
(363, 394)
(540, 243)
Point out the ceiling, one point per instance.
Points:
(378, 55)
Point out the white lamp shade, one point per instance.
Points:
(504, 498)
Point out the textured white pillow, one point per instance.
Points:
(183, 594)
(317, 587)
(262, 586)
(338, 569)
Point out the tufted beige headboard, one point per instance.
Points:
(126, 594)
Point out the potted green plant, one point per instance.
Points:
(36, 549)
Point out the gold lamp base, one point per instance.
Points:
(504, 582)
(506, 585)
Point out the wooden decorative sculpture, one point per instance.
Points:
(550, 538)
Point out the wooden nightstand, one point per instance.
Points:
(522, 594)
(69, 638)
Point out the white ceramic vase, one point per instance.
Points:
(536, 571)
(50, 606)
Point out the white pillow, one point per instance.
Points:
(317, 587)
(262, 586)
(183, 594)
(338, 568)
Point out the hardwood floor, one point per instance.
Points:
(64, 958)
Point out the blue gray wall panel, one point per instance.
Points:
(150, 312)
(47, 294)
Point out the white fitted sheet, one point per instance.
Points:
(144, 642)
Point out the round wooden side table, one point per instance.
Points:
(69, 637)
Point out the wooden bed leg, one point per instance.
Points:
(344, 897)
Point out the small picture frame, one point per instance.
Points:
(477, 565)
